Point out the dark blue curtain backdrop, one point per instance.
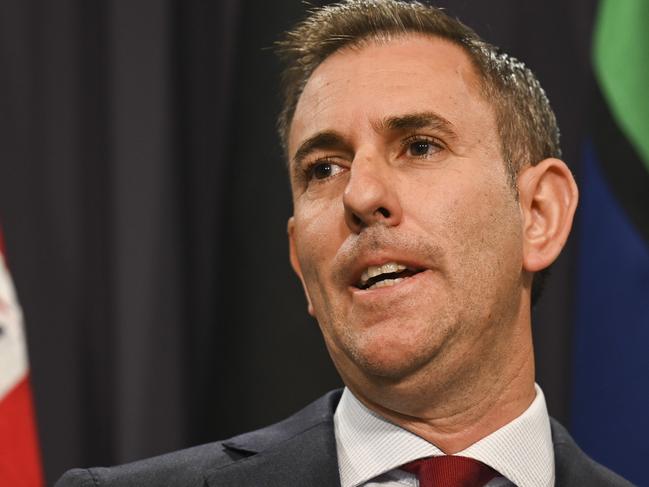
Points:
(611, 365)
(144, 201)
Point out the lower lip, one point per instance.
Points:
(404, 286)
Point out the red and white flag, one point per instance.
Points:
(20, 464)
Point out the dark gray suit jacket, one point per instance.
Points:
(299, 451)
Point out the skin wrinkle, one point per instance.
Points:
(334, 141)
(472, 410)
(454, 352)
(472, 81)
(446, 422)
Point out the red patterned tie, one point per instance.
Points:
(450, 471)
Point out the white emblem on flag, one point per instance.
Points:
(13, 353)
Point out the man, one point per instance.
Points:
(428, 195)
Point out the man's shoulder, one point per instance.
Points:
(575, 468)
(183, 467)
(268, 457)
(253, 458)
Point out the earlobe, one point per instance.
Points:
(548, 199)
(295, 263)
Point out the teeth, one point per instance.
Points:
(375, 270)
(386, 283)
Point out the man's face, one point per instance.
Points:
(396, 170)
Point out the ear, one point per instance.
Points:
(548, 198)
(295, 263)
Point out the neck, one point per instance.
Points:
(457, 414)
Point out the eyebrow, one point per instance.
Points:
(326, 140)
(332, 140)
(414, 121)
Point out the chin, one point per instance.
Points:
(388, 360)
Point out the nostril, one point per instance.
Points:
(383, 211)
(357, 220)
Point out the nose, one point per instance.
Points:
(370, 197)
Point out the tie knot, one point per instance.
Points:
(450, 471)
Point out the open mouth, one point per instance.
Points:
(388, 274)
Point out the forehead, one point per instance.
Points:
(364, 84)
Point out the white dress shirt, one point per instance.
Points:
(370, 448)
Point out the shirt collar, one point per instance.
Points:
(369, 445)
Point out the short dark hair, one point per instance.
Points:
(525, 121)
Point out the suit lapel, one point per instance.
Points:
(306, 460)
(300, 451)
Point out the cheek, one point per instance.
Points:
(317, 238)
(489, 245)
(478, 224)
(448, 209)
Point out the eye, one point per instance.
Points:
(323, 170)
(422, 147)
